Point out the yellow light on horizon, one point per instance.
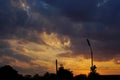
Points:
(45, 55)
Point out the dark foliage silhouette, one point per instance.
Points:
(80, 77)
(110, 77)
(37, 77)
(8, 73)
(64, 74)
(93, 75)
(27, 77)
(49, 76)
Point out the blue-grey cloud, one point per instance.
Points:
(8, 56)
(77, 19)
(6, 50)
(88, 11)
(78, 10)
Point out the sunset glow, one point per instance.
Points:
(34, 33)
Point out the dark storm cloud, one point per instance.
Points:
(109, 12)
(10, 15)
(77, 19)
(104, 40)
(88, 10)
(82, 10)
(10, 18)
(15, 23)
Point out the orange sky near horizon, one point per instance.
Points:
(46, 54)
(34, 33)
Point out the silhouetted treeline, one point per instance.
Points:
(8, 73)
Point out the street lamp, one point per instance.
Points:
(93, 67)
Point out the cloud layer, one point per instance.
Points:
(69, 23)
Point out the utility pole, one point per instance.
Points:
(56, 69)
(56, 66)
(93, 67)
(91, 50)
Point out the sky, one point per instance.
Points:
(34, 33)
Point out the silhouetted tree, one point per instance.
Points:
(49, 76)
(21, 77)
(8, 73)
(110, 77)
(80, 77)
(37, 77)
(93, 75)
(27, 77)
(64, 74)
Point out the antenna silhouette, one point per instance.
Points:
(93, 67)
(56, 66)
(56, 69)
